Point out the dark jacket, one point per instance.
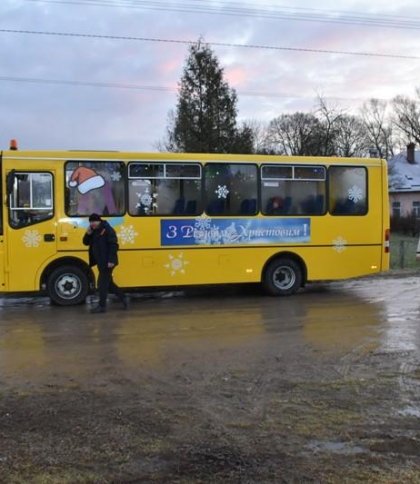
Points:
(103, 246)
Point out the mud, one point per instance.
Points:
(217, 385)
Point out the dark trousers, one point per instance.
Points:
(106, 284)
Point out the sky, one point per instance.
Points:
(80, 92)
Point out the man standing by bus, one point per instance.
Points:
(103, 247)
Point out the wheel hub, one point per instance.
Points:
(284, 278)
(68, 286)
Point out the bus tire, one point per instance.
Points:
(282, 277)
(67, 286)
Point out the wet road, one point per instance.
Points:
(221, 384)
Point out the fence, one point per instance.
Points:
(403, 252)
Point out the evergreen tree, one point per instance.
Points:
(205, 116)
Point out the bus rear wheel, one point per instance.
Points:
(68, 286)
(282, 277)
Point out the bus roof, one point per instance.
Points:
(184, 157)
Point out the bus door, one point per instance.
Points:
(31, 226)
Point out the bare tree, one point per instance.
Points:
(330, 118)
(350, 139)
(294, 134)
(407, 116)
(260, 141)
(379, 131)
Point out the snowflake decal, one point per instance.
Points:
(206, 232)
(147, 200)
(115, 176)
(355, 194)
(202, 222)
(222, 191)
(176, 265)
(339, 244)
(31, 238)
(127, 235)
(215, 235)
(230, 235)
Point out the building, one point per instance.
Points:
(404, 183)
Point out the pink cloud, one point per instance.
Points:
(169, 66)
(237, 76)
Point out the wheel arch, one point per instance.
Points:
(287, 255)
(65, 261)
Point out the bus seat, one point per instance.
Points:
(344, 207)
(248, 206)
(245, 207)
(179, 207)
(287, 205)
(216, 207)
(313, 205)
(191, 207)
(252, 206)
(319, 204)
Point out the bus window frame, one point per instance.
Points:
(164, 163)
(258, 180)
(125, 178)
(367, 192)
(9, 205)
(293, 179)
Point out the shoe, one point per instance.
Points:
(98, 309)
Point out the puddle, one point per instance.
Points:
(335, 447)
(410, 412)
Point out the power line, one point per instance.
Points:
(114, 85)
(276, 13)
(217, 44)
(120, 85)
(309, 9)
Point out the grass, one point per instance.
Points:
(403, 251)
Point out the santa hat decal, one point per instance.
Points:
(86, 179)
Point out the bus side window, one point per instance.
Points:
(293, 189)
(164, 189)
(31, 199)
(231, 189)
(348, 190)
(95, 186)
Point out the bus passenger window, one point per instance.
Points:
(293, 190)
(164, 189)
(31, 200)
(231, 189)
(348, 190)
(94, 187)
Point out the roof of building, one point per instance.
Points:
(404, 176)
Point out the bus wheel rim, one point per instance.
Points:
(68, 286)
(284, 278)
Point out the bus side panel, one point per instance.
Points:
(220, 266)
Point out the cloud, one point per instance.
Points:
(57, 116)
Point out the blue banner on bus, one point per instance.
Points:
(230, 231)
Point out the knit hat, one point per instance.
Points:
(86, 179)
(94, 217)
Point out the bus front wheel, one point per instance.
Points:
(68, 286)
(282, 277)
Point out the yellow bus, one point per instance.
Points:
(191, 219)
